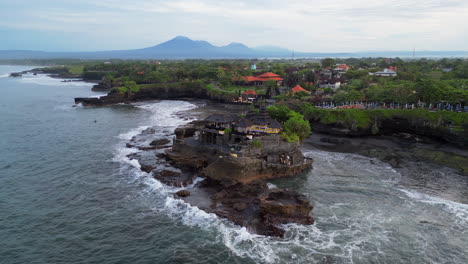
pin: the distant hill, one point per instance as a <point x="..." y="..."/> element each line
<point x="185" y="48"/>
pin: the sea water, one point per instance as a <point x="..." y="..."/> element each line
<point x="70" y="194"/>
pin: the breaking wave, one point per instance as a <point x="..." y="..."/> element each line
<point x="43" y="79"/>
<point x="347" y="230"/>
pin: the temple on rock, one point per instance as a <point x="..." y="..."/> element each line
<point x="229" y="129"/>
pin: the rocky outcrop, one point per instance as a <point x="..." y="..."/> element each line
<point x="235" y="184"/>
<point x="16" y="74"/>
<point x="279" y="206"/>
<point x="248" y="165"/>
<point x="439" y="129"/>
<point x="160" y="142"/>
<point x="193" y="90"/>
<point x="233" y="187"/>
<point x="254" y="206"/>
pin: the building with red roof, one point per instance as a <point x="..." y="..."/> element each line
<point x="260" y="79"/>
<point x="248" y="96"/>
<point x="298" y="88"/>
<point x="342" y="67"/>
<point x="252" y="92"/>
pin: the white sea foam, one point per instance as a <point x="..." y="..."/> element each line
<point x="347" y="241"/>
<point x="236" y="238"/>
<point x="43" y="79"/>
<point x="97" y="96"/>
<point x="4" y="75"/>
<point x="459" y="210"/>
<point x="309" y="240"/>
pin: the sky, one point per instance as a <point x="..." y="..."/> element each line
<point x="300" y="25"/>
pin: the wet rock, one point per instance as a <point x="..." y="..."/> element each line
<point x="128" y="145"/>
<point x="148" y="131"/>
<point x="280" y="206"/>
<point x="161" y="155"/>
<point x="147" y="168"/>
<point x="174" y="178"/>
<point x="240" y="206"/>
<point x="183" y="193"/>
<point x="334" y="140"/>
<point x="160" y="142"/>
<point x="219" y="195"/>
<point x="168" y="173"/>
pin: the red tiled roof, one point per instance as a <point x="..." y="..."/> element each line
<point x="298" y="88"/>
<point x="343" y="66"/>
<point x="249" y="78"/>
<point x="250" y="92"/>
<point x="268" y="75"/>
<point x="261" y="78"/>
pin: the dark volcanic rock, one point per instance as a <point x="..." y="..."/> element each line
<point x="280" y="206"/>
<point x="174" y="178"/>
<point x="183" y="193"/>
<point x="160" y="142"/>
<point x="252" y="205"/>
<point x="147" y="168"/>
<point x="240" y="206"/>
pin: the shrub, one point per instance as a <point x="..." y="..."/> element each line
<point x="228" y="131"/>
<point x="296" y="129"/>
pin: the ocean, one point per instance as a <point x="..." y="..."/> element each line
<point x="69" y="194"/>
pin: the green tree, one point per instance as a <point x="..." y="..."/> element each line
<point x="296" y="128"/>
<point x="129" y="88"/>
<point x="292" y="79"/>
<point x="279" y="112"/>
<point x="328" y="62"/>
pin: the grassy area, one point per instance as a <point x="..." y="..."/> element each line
<point x="76" y="70"/>
<point x="235" y="89"/>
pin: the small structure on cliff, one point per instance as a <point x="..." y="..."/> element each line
<point x="238" y="150"/>
<point x="258" y="123"/>
<point x="237" y="155"/>
<point x="236" y="158"/>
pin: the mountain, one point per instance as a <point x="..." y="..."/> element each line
<point x="182" y="47"/>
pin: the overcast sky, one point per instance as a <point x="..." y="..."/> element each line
<point x="301" y="25"/>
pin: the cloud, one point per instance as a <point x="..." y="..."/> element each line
<point x="305" y="25"/>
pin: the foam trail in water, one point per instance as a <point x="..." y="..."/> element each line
<point x="236" y="238"/>
<point x="42" y="79"/>
<point x="459" y="210"/>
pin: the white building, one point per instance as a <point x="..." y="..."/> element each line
<point x="385" y="73"/>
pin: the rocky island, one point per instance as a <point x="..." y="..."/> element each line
<point x="235" y="156"/>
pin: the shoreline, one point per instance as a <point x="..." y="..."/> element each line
<point x="236" y="200"/>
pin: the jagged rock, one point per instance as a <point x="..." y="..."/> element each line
<point x="219" y="195"/>
<point x="240" y="206"/>
<point x="160" y="142"/>
<point x="174" y="178"/>
<point x="146" y="168"/>
<point x="168" y="173"/>
<point x="161" y="155"/>
<point x="183" y="193"/>
<point x="280" y="206"/>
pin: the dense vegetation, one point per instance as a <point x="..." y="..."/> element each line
<point x="422" y="80"/>
<point x="295" y="127"/>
